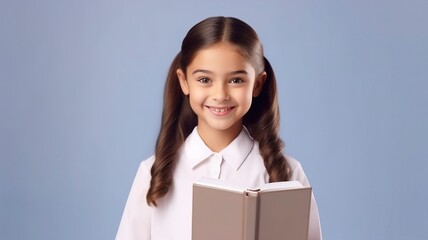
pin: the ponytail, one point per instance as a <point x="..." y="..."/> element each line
<point x="262" y="122"/>
<point x="178" y="120"/>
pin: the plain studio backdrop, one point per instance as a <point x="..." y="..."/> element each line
<point x="81" y="86"/>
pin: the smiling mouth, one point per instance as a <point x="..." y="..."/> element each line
<point x="220" y="110"/>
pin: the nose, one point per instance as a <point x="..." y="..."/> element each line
<point x="220" y="92"/>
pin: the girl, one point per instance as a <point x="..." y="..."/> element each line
<point x="220" y="119"/>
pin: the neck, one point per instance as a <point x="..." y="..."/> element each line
<point x="217" y="140"/>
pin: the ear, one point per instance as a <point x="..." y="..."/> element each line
<point x="183" y="81"/>
<point x="258" y="85"/>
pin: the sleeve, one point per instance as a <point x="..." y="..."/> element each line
<point x="314" y="222"/>
<point x="135" y="222"/>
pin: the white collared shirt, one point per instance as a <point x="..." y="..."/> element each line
<point x="239" y="163"/>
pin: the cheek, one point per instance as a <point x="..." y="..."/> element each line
<point x="245" y="98"/>
<point x="249" y="100"/>
<point x="197" y="98"/>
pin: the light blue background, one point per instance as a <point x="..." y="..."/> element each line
<point x="80" y="103"/>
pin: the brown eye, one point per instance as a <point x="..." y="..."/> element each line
<point x="203" y="80"/>
<point x="236" y="80"/>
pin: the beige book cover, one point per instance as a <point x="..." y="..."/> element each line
<point x="274" y="211"/>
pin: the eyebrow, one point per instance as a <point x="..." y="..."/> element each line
<point x="209" y="72"/>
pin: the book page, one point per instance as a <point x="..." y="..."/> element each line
<point x="220" y="184"/>
<point x="280" y="186"/>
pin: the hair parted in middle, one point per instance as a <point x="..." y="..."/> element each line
<point x="178" y="118"/>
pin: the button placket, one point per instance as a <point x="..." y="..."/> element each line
<point x="215" y="165"/>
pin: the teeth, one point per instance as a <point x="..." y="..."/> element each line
<point x="220" y="109"/>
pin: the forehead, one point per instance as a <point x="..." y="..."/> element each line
<point x="220" y="58"/>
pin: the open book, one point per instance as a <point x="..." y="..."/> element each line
<point x="273" y="211"/>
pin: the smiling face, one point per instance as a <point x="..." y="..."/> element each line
<point x="220" y="83"/>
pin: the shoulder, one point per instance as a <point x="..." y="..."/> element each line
<point x="143" y="173"/>
<point x="147" y="164"/>
<point x="292" y="162"/>
<point x="296" y="171"/>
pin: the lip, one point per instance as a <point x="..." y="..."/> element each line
<point x="220" y="111"/>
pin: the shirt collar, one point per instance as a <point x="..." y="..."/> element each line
<point x="235" y="153"/>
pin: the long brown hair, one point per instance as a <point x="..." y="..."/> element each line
<point x="178" y="119"/>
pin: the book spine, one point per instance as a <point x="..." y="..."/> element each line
<point x="250" y="216"/>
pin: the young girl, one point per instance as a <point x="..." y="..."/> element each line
<point x="220" y="120"/>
